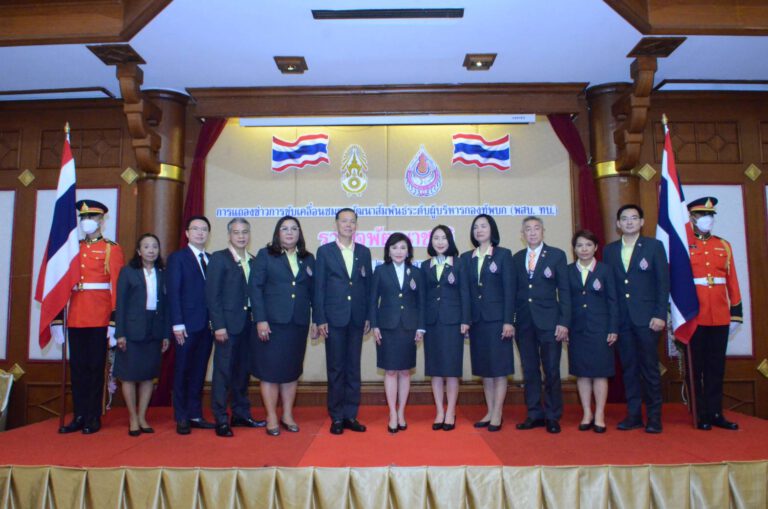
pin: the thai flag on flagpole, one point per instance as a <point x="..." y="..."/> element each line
<point x="60" y="269"/>
<point x="674" y="230"/>
<point x="307" y="150"/>
<point x="474" y="150"/>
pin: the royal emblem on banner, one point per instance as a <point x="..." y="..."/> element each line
<point x="354" y="169"/>
<point x="422" y="175"/>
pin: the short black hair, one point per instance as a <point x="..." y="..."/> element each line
<point x="452" y="250"/>
<point x="587" y="234"/>
<point x="345" y="209"/>
<point x="274" y="247"/>
<point x="628" y="206"/>
<point x="495" y="237"/>
<point x="394" y="239"/>
<point x="136" y="262"/>
<point x="197" y="218"/>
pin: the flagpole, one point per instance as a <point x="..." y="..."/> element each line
<point x="64" y="345"/>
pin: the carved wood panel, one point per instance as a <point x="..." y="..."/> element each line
<point x="10" y="142"/>
<point x="91" y="148"/>
<point x="700" y="142"/>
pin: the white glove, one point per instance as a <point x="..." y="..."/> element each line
<point x="733" y="328"/>
<point x="57" y="333"/>
<point x="111" y="336"/>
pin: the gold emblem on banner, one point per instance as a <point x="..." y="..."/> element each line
<point x="354" y="170"/>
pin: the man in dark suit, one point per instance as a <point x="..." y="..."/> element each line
<point x="342" y="288"/>
<point x="229" y="308"/>
<point x="642" y="276"/>
<point x="186" y="270"/>
<point x="542" y="318"/>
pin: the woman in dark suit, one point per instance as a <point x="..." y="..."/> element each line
<point x="489" y="286"/>
<point x="594" y="328"/>
<point x="141" y="328"/>
<point x="447" y="321"/>
<point x="281" y="296"/>
<point x="397" y="322"/>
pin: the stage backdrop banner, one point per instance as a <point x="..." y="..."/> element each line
<point x="240" y="182"/>
<point x="7" y="200"/>
<point x="43" y="214"/>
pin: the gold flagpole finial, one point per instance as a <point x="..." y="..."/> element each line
<point x="664" y="118"/>
<point x="66" y="128"/>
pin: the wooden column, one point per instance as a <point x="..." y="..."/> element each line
<point x="160" y="197"/>
<point x="614" y="188"/>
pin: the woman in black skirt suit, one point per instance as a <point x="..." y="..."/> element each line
<point x="142" y="325"/>
<point x="594" y="328"/>
<point x="447" y="320"/>
<point x="281" y="297"/>
<point x="489" y="286"/>
<point x="397" y="322"/>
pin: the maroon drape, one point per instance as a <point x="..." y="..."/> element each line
<point x="590" y="217"/>
<point x="193" y="206"/>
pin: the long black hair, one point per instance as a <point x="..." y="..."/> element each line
<point x="495" y="237"/>
<point x="452" y="249"/>
<point x="394" y="239"/>
<point x="136" y="262"/>
<point x="274" y="247"/>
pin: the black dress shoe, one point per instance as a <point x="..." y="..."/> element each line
<point x="134" y="432"/>
<point x="587" y="426"/>
<point x="246" y="422"/>
<point x="630" y="423"/>
<point x="721" y="422"/>
<point x="529" y="423"/>
<point x="148" y="429"/>
<point x="354" y="425"/>
<point x="273" y="432"/>
<point x="184" y="428"/>
<point x="437" y="426"/>
<point x="201" y="424"/>
<point x="391" y="429"/>
<point x="481" y="424"/>
<point x="223" y="430"/>
<point x="337" y="427"/>
<point x="653" y="427"/>
<point x="449" y="427"/>
<point x="495" y="427"/>
<point x="93" y="426"/>
<point x="704" y="426"/>
<point x="402" y="427"/>
<point x="293" y="428"/>
<point x="75" y="425"/>
<point x="553" y="426"/>
<point x="599" y="429"/>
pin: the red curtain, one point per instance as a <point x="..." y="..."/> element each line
<point x="193" y="206"/>
<point x="589" y="203"/>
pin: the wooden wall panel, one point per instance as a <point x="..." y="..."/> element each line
<point x="10" y="141"/>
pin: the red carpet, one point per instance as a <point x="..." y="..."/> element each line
<point x="39" y="444"/>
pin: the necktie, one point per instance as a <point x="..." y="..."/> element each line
<point x="531" y="261"/>
<point x="203" y="264"/>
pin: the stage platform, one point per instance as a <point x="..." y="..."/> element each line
<point x="466" y="467"/>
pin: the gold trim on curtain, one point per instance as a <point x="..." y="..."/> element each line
<point x="740" y="485"/>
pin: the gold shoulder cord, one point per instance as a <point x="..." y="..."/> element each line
<point x="106" y="258"/>
<point x="727" y="247"/>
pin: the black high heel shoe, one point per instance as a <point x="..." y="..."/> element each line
<point x="391" y="429"/>
<point x="481" y="424"/>
<point x="437" y="426"/>
<point x="494" y="427"/>
<point x="587" y="426"/>
<point x="449" y="427"/>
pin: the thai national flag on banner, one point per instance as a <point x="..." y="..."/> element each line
<point x="674" y="230"/>
<point x="60" y="269"/>
<point x="307" y="150"/>
<point x="474" y="150"/>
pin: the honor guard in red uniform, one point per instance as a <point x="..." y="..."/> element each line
<point x="720" y="313"/>
<point x="90" y="319"/>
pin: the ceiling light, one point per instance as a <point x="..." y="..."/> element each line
<point x="479" y="61"/>
<point x="659" y="47"/>
<point x="114" y="54"/>
<point x="291" y="65"/>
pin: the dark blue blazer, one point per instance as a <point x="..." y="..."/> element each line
<point x="186" y="290"/>
<point x="392" y="306"/>
<point x="492" y="298"/>
<point x="276" y="295"/>
<point x="131" y="309"/>
<point x="339" y="298"/>
<point x="644" y="288"/>
<point x="444" y="303"/>
<point x="594" y="305"/>
<point x="543" y="300"/>
<point x="226" y="291"/>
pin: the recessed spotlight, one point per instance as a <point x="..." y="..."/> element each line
<point x="291" y="65"/>
<point x="479" y="61"/>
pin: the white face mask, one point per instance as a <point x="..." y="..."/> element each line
<point x="705" y="223"/>
<point x="89" y="226"/>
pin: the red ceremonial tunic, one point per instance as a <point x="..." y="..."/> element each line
<point x="712" y="259"/>
<point x="100" y="262"/>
